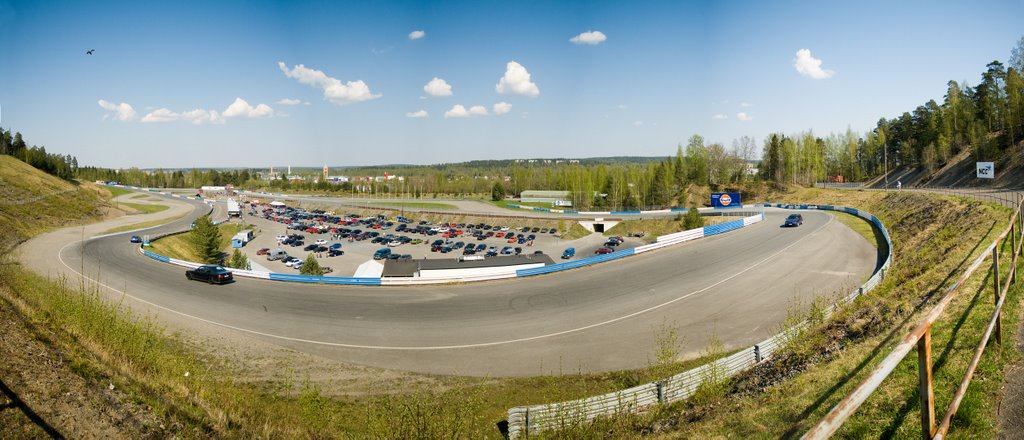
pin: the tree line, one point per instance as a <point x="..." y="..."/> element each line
<point x="63" y="166"/>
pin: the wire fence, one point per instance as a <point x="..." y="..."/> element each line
<point x="527" y="420"/>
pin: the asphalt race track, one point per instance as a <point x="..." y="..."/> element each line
<point x="736" y="287"/>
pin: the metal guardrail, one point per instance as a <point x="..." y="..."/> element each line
<point x="527" y="420"/>
<point x="920" y="337"/>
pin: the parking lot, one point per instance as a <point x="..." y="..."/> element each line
<point x="343" y="241"/>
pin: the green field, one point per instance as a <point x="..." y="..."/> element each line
<point x="117" y="191"/>
<point x="505" y="203"/>
<point x="145" y="208"/>
<point x="142" y="225"/>
<point x="413" y="205"/>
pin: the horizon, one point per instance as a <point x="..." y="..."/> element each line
<point x="233" y="85"/>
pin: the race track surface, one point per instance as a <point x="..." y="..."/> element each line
<point x="735" y="287"/>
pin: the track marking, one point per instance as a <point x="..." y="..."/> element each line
<point x="447" y="347"/>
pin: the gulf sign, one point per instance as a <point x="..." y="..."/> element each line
<point x="725" y="200"/>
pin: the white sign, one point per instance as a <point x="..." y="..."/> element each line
<point x="986" y="170"/>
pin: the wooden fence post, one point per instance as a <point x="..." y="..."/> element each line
<point x="995" y="278"/>
<point x="924" y="375"/>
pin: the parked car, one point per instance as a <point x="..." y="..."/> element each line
<point x="291" y="261"/>
<point x="263" y="251"/>
<point x="335" y="246"/>
<point x="210" y="273"/>
<point x="382" y="254"/>
<point x="335" y="252"/>
<point x="321" y="241"/>
<point x="604" y="250"/>
<point x="136" y="239"/>
<point x="568" y="253"/>
<point x="311" y="247"/>
<point x="276" y="254"/>
<point x="507" y="250"/>
<point x="794" y="220"/>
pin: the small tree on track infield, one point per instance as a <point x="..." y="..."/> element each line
<point x="205" y="239"/>
<point x="311" y="267"/>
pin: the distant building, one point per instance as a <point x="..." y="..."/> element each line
<point x="216" y="191"/>
<point x="555" y="198"/>
<point x="337" y="179"/>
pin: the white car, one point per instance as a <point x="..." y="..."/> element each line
<point x="504" y="229"/>
<point x="321" y="241"/>
<point x="292" y="262"/>
<point x="281" y="238"/>
<point x="299" y="264"/>
<point x="394" y="243"/>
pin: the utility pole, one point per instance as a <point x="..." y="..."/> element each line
<point x="885" y="163"/>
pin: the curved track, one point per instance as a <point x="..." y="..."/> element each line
<point x="735" y="287"/>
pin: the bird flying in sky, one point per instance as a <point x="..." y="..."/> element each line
<point x="90" y="51"/>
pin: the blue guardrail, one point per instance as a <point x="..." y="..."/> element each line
<point x="157" y="257"/>
<point x="722" y="228"/>
<point x="574" y="264"/>
<point x="325" y="280"/>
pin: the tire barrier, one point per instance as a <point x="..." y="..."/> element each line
<point x="527" y="420"/>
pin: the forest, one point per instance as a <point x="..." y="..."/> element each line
<point x="986" y="120"/>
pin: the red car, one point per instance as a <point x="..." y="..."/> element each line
<point x="263" y="251"/>
<point x="604" y="250"/>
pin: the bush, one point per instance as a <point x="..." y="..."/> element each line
<point x="692" y="219"/>
<point x="498" y="192"/>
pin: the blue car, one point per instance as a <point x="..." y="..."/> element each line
<point x="136" y="239"/>
<point x="569" y="253"/>
<point x="794" y="220"/>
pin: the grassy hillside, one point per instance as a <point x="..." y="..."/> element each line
<point x="32" y="201"/>
<point x="934" y="238"/>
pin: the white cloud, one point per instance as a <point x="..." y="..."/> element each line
<point x="623" y="106"/>
<point x="122" y="112"/>
<point x="809" y="66"/>
<point x="416" y="35"/>
<point x="589" y="37"/>
<point x="478" y="110"/>
<point x="457" y="111"/>
<point x="201" y="116"/>
<point x="334" y="91"/>
<point x="241" y="108"/>
<point x="720" y="116"/>
<point x="160" y="115"/>
<point x="638" y="123"/>
<point x="417" y="114"/>
<point x="238" y="109"/>
<point x="438" y="88"/>
<point x="743" y="116"/>
<point x="516" y="81"/>
<point x="289" y="101"/>
<point x="502" y="108"/>
<point x="745" y="104"/>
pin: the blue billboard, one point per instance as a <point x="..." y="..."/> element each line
<point x="725" y="200"/>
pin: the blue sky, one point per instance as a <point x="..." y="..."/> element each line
<point x="663" y="72"/>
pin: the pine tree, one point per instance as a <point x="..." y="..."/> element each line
<point x="311" y="267"/>
<point x="497" y="192"/>
<point x="238" y="260"/>
<point x="206" y="241"/>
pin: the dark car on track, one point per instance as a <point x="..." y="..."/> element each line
<point x="210" y="274"/>
<point x="794" y="220"/>
<point x="136" y="239"/>
<point x="604" y="250"/>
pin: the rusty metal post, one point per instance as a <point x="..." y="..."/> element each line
<point x="924" y="375"/>
<point x="995" y="278"/>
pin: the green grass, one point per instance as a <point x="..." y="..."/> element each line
<point x="139" y="196"/>
<point x="145" y="208"/>
<point x="179" y="246"/>
<point x="117" y="191"/>
<point x="413" y="205"/>
<point x="505" y="203"/>
<point x="572" y="230"/>
<point x="142" y="225"/>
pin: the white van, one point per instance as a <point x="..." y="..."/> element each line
<point x="276" y="254"/>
